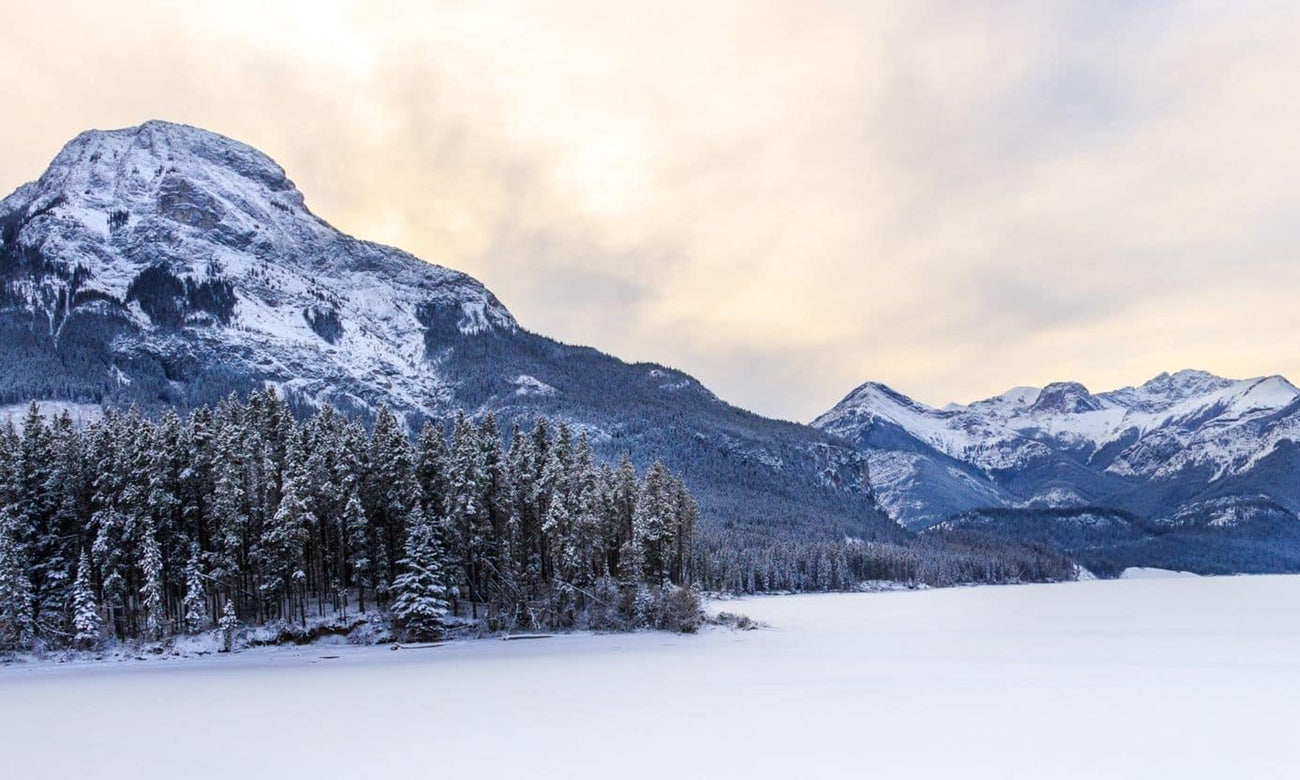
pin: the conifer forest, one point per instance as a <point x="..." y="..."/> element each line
<point x="130" y="528"/>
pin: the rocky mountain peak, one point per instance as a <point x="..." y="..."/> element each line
<point x="163" y="231"/>
<point x="1066" y="398"/>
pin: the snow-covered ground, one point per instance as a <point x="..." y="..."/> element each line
<point x="1158" y="677"/>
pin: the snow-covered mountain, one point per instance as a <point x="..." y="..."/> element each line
<point x="1182" y="445"/>
<point x="180" y="235"/>
<point x="167" y="265"/>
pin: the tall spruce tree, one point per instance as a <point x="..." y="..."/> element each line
<point x="653" y="525"/>
<point x="151" y="589"/>
<point x="468" y="523"/>
<point x="195" y="605"/>
<point x="85" y="608"/>
<point x="391" y="490"/>
<point x="16" y="629"/>
<point x="421" y="604"/>
<point x="357" y="549"/>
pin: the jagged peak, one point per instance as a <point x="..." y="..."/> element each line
<point x="1066" y="397"/>
<point x="878" y="390"/>
<point x="1021" y="395"/>
<point x="1186" y="379"/>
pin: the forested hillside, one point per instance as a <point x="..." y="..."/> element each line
<point x="241" y="514"/>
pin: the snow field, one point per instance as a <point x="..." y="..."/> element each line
<point x="1158" y="677"/>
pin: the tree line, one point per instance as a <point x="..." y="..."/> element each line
<point x="726" y="564"/>
<point x="242" y="513"/>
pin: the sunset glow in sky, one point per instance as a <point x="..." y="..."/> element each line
<point x="784" y="199"/>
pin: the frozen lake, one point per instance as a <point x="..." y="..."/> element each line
<point x="1135" y="678"/>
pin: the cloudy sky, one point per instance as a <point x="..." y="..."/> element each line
<point x="785" y="199"/>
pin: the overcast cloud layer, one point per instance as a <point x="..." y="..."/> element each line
<point x="784" y="199"/>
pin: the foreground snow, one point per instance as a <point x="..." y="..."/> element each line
<point x="1192" y="677"/>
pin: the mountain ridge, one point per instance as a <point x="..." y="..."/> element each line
<point x="1183" y="451"/>
<point x="1184" y="436"/>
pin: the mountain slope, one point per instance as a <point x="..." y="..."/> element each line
<point x="164" y="265"/>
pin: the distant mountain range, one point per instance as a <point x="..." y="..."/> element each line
<point x="1188" y="468"/>
<point x="164" y="265"/>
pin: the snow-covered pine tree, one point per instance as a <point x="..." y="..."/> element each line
<point x="227" y="518"/>
<point x="467" y="520"/>
<point x="166" y="466"/>
<point x="496" y="501"/>
<point x="587" y="538"/>
<point x="151" y="591"/>
<point x="10" y="445"/>
<point x="16" y="629"/>
<point x="110" y="455"/>
<point x="42" y="544"/>
<point x="195" y="605"/>
<point x="685" y="515"/>
<point x="623" y="492"/>
<point x="327" y="488"/>
<point x="553" y="490"/>
<point x="228" y="625"/>
<point x="69" y="484"/>
<point x="282" y="546"/>
<point x="390" y="487"/>
<point x="420" y="608"/>
<point x="357" y="549"/>
<point x="431" y="457"/>
<point x="526" y="544"/>
<point x="86" y="620"/>
<point x="653" y="524"/>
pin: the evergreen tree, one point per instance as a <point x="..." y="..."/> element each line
<point x="421" y="604"/>
<point x="282" y="547"/>
<point x="390" y="490"/>
<point x="358" y="548"/>
<point x="228" y="520"/>
<point x="34" y="529"/>
<point x="228" y="625"/>
<point x="620" y="496"/>
<point x="195" y="605"/>
<point x="16" y="630"/>
<point x="492" y="533"/>
<point x="151" y="591"/>
<point x="431" y="469"/>
<point x="526" y="541"/>
<point x="468" y="523"/>
<point x="685" y="515"/>
<point x="586" y="542"/>
<point x="55" y="546"/>
<point x="85" y="620"/>
<point x="554" y="503"/>
<point x="654" y="524"/>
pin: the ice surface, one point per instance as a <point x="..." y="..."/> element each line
<point x="1148" y="678"/>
